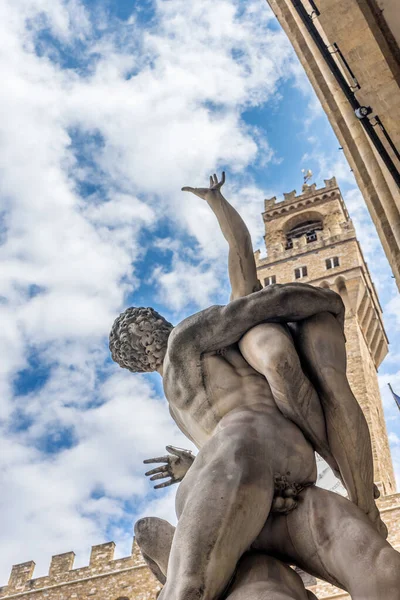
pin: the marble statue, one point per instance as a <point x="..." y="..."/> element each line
<point x="259" y="385"/>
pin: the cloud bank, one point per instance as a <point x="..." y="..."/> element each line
<point x="102" y="122"/>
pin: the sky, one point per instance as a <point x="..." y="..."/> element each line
<point x="107" y="110"/>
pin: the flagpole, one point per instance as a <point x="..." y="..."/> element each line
<point x="396" y="398"/>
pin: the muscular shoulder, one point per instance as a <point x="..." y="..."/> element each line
<point x="185" y="337"/>
<point x="183" y="372"/>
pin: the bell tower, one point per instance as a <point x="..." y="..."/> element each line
<point x="310" y="238"/>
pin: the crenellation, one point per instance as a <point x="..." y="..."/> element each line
<point x="103" y="573"/>
<point x="330" y="183"/>
<point x="308" y="189"/>
<point x="290" y="196"/>
<point x="61" y="563"/>
<point x="269" y="203"/>
<point x="101" y="554"/>
<point x="310" y="196"/>
<point x="21" y="574"/>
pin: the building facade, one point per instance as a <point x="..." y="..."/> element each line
<point x="350" y="52"/>
<point x="309" y="238"/>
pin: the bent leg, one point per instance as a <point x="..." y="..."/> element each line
<point x="222" y="505"/>
<point x="262" y="577"/>
<point x="321" y="346"/>
<point x="269" y="348"/>
<point x="330" y="537"/>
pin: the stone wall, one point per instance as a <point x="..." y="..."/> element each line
<point x="103" y="579"/>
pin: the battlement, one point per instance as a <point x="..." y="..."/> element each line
<point x="309" y="197"/>
<point x="62" y="573"/>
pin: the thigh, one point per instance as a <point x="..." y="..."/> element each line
<point x="320" y="344"/>
<point x="222" y="504"/>
<point x="330" y="537"/>
<point x="234" y="463"/>
<point x="270" y="349"/>
<point x="262" y="577"/>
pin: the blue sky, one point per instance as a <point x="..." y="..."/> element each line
<point x="109" y="109"/>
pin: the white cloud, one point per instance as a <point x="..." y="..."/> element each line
<point x="186" y="284"/>
<point x="136" y="115"/>
<point x="94" y="153"/>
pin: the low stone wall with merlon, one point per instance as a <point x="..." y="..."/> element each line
<point x="104" y="578"/>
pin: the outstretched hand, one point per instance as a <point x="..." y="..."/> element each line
<point x="206" y="193"/>
<point x="178" y="462"/>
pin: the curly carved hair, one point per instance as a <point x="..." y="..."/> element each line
<point x="138" y="339"/>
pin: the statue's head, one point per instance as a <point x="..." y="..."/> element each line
<point x="138" y="339"/>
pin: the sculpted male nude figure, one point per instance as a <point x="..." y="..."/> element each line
<point x="236" y="387"/>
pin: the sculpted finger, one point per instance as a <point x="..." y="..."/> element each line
<point x="211" y="181"/>
<point x="148" y="461"/>
<point x="163" y="469"/>
<point x="187" y="189"/>
<point x="215" y="178"/>
<point x="179" y="452"/>
<point x="159" y="476"/>
<point x="165" y="484"/>
<point x="223" y="178"/>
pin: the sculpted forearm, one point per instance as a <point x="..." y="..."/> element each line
<point x="242" y="266"/>
<point x="220" y="326"/>
<point x="276" y="304"/>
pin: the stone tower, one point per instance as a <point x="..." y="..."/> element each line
<point x="311" y="239"/>
<point x="350" y="52"/>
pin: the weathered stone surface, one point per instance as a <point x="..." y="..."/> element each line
<point x="390" y="511"/>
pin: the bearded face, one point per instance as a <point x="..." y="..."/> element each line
<point x="139" y="338"/>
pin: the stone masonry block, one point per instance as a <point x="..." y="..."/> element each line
<point x="20" y="574"/>
<point x="60" y="563"/>
<point x="101" y="554"/>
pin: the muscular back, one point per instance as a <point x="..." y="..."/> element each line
<point x="215" y="384"/>
<point x="205" y="377"/>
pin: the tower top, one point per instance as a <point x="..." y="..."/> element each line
<point x="310" y="237"/>
<point x="309" y="196"/>
<point x="305" y="222"/>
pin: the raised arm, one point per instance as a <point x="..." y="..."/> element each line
<point x="241" y="263"/>
<point x="220" y="326"/>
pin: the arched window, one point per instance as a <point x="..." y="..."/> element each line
<point x="307" y="228"/>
